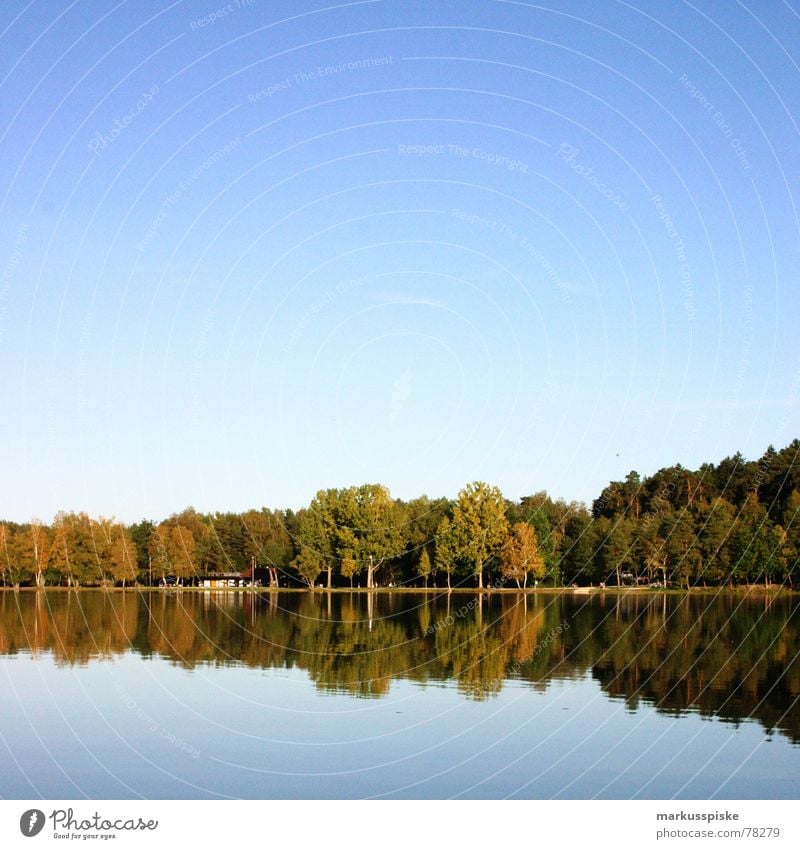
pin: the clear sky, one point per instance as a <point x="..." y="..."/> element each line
<point x="249" y="251"/>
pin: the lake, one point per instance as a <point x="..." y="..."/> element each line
<point x="191" y="695"/>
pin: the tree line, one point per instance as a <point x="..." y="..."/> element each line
<point x="732" y="523"/>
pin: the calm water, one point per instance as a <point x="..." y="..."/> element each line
<point x="192" y="695"/>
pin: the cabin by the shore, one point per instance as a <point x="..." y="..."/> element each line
<point x="218" y="580"/>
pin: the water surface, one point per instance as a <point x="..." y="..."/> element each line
<point x="301" y="695"/>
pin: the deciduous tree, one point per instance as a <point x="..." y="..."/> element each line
<point x="521" y="556"/>
<point x="480" y="526"/>
<point x="424" y="566"/>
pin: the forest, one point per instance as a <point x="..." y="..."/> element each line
<point x="729" y="524"/>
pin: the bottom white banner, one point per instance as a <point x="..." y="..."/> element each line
<point x="394" y="824"/>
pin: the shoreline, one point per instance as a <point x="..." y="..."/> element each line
<point x="753" y="589"/>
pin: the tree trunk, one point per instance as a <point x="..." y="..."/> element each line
<point x="480" y="578"/>
<point x="448" y="582"/>
<point x="330" y="577"/>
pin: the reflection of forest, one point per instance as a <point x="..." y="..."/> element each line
<point x="729" y="656"/>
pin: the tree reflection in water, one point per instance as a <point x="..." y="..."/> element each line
<point x="728" y="656"/>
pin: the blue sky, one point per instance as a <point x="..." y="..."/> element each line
<point x="252" y="250"/>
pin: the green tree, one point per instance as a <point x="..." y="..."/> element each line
<point x="158" y="551"/>
<point x="267" y="542"/>
<point x="122" y="555"/>
<point x="447" y="550"/>
<point x="791" y="526"/>
<point x="368" y="524"/>
<point x="349" y="568"/>
<point x="182" y="552"/>
<point x="752" y="542"/>
<point x="578" y="549"/>
<point x="174" y="551"/>
<point x="16" y="566"/>
<point x="479" y="525"/>
<point x="683" y="551"/>
<point x="419" y="520"/>
<point x="309" y="563"/>
<point x="141" y="532"/>
<point x="40" y="542"/>
<point x="212" y="553"/>
<point x="549" y="519"/>
<point x="317" y="538"/>
<point x="650" y="547"/>
<point x="25" y="550"/>
<point x="716" y="521"/>
<point x="425" y="566"/>
<point x="77" y="543"/>
<point x="617" y="552"/>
